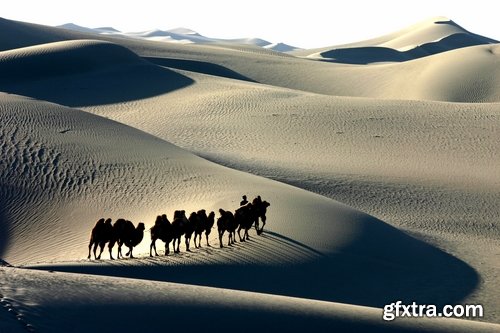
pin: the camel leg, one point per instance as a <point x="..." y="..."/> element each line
<point x="130" y="252"/>
<point x="152" y="246"/>
<point x="110" y="247"/>
<point x="90" y="249"/>
<point x="239" y="235"/>
<point x="95" y="250"/>
<point x="208" y="244"/>
<point x="120" y="255"/>
<point x="101" y="247"/>
<point x="220" y="239"/>
<point x="263" y="218"/>
<point x="167" y="248"/>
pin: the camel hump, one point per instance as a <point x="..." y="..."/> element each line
<point x="158" y="220"/>
<point x="179" y="214"/>
<point x="202" y="214"/>
<point x="99" y="222"/>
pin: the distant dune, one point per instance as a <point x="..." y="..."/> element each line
<point x="379" y="159"/>
<point x="182" y="35"/>
<point x="429" y="37"/>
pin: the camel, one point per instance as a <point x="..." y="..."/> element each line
<point x="245" y="217"/>
<point x="226" y="222"/>
<point x="200" y="226"/>
<point x="260" y="210"/>
<point x="134" y="237"/>
<point x="208" y="226"/>
<point x="178" y="224"/>
<point x="124" y="232"/>
<point x="99" y="236"/>
<point x="161" y="230"/>
<point x="189" y="229"/>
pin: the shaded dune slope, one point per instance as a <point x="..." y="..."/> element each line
<point x="128" y="304"/>
<point x="62" y="58"/>
<point x="112" y="72"/>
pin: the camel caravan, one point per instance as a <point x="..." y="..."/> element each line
<point x="123" y="232"/>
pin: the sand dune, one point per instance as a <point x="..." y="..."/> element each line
<point x="424" y="170"/>
<point x="122" y="74"/>
<point x="184" y="36"/>
<point x="447" y="171"/>
<point x="100" y="177"/>
<point x="425" y="38"/>
<point x="429" y="78"/>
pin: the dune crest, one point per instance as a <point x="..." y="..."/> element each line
<point x="67" y="57"/>
<point x="431" y="36"/>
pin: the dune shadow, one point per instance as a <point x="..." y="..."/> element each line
<point x="373" y="54"/>
<point x="358" y="274"/>
<point x="199" y="67"/>
<point x="206" y="314"/>
<point x="451" y="42"/>
<point x="112" y="85"/>
<point x="364" y="55"/>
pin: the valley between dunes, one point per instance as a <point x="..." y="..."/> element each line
<point x="382" y="176"/>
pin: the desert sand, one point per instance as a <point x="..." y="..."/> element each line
<point x="379" y="159"/>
